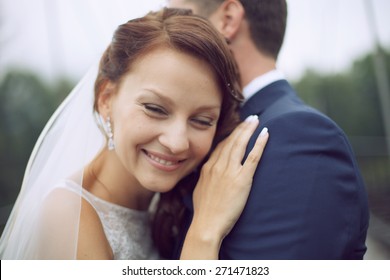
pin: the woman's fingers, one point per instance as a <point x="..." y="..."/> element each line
<point x="256" y="153"/>
<point x="235" y="146"/>
<point x="238" y="146"/>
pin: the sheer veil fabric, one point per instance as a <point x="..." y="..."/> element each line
<point x="45" y="219"/>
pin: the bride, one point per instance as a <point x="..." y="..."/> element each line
<point x="114" y="160"/>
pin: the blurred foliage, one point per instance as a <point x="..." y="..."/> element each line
<point x="349" y="98"/>
<point x="27" y="103"/>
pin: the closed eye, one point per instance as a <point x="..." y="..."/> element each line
<point x="203" y="122"/>
<point x="155" y="109"/>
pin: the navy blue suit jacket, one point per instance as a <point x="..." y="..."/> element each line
<point x="308" y="200"/>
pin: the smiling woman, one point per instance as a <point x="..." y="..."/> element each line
<point x="166" y="93"/>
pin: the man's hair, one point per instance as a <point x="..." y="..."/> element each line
<point x="206" y="7"/>
<point x="267" y="21"/>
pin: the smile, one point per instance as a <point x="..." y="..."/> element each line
<point x="162" y="162"/>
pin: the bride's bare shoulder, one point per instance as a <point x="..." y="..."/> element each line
<point x="66" y="206"/>
<point x="92" y="243"/>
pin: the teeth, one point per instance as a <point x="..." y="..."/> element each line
<point x="161" y="161"/>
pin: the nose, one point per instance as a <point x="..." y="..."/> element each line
<point x="175" y="137"/>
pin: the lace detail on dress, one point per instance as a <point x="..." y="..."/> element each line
<point x="128" y="231"/>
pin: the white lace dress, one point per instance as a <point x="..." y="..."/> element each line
<point x="128" y="231"/>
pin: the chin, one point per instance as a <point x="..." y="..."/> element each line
<point x="158" y="187"/>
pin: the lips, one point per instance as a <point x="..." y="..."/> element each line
<point x="163" y="162"/>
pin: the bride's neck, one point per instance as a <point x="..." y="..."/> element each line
<point x="106" y="178"/>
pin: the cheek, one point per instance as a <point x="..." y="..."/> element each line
<point x="135" y="131"/>
<point x="202" y="144"/>
<point x="130" y="128"/>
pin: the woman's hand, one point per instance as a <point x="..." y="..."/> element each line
<point x="222" y="191"/>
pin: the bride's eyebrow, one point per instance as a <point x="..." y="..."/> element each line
<point x="170" y="102"/>
<point x="155" y="93"/>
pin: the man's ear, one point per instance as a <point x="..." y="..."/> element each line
<point x="228" y="18"/>
<point x="105" y="99"/>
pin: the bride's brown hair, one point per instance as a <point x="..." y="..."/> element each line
<point x="181" y="31"/>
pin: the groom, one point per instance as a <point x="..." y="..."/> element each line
<point x="308" y="200"/>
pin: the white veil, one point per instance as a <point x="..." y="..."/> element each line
<point x="70" y="139"/>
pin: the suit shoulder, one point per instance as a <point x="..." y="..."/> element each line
<point x="300" y="114"/>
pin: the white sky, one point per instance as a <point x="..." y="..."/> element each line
<point x="54" y="37"/>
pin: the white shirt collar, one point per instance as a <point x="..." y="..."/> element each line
<point x="262" y="81"/>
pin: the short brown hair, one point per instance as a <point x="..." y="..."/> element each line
<point x="267" y="21"/>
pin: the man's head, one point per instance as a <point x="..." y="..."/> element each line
<point x="266" y="19"/>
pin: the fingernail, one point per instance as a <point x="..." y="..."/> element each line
<point x="252" y="118"/>
<point x="264" y="132"/>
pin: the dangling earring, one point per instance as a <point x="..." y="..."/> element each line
<point x="110" y="135"/>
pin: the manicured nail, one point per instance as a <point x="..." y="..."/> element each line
<point x="252" y="118"/>
<point x="264" y="132"/>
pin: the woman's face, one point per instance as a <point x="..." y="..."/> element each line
<point x="164" y="117"/>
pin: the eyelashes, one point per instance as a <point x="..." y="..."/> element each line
<point x="159" y="112"/>
<point x="155" y="109"/>
<point x="203" y="122"/>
